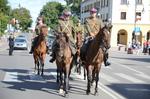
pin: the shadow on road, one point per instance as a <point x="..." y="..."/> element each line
<point x="132" y="91"/>
<point x="47" y="83"/>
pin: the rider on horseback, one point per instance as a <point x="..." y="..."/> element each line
<point x="65" y="25"/>
<point x="93" y="26"/>
<point x="40" y="23"/>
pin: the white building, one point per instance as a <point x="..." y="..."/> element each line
<point x="125" y="16"/>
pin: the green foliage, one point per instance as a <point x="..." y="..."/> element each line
<point x="4" y="15"/>
<point x="75" y="8"/>
<point x="3" y="22"/>
<point x="50" y="12"/>
<point x="4" y="8"/>
<point x="23" y="16"/>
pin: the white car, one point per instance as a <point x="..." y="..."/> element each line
<point x="21" y="43"/>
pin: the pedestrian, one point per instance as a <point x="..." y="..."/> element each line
<point x="145" y="47"/>
<point x="148" y="46"/>
<point x="93" y="26"/>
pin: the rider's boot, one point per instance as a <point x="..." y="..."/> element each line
<point x="31" y="50"/>
<point x="106" y="62"/>
<point x="53" y="57"/>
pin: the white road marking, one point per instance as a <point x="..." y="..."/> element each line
<point x="138" y="89"/>
<point x="110" y="92"/>
<point x="130" y="78"/>
<point x="105" y="89"/>
<point x="11" y="77"/>
<point x="148" y="66"/>
<point x="125" y="66"/>
<point x="34" y="77"/>
<point x="54" y="74"/>
<point x="144" y="76"/>
<point x="109" y="78"/>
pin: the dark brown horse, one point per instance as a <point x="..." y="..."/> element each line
<point x="95" y="57"/>
<point x="39" y="52"/>
<point x="63" y="62"/>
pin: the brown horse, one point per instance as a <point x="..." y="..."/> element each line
<point x="39" y="52"/>
<point x="63" y="61"/>
<point x="95" y="57"/>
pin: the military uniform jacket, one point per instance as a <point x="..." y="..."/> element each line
<point x="79" y="29"/>
<point x="66" y="26"/>
<point x="93" y="26"/>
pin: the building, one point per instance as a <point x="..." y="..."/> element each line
<point x="130" y="18"/>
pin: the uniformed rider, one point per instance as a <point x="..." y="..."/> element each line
<point x="93" y="26"/>
<point x="65" y="25"/>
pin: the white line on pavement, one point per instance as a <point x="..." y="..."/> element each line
<point x="11" y="77"/>
<point x="105" y="89"/>
<point x="109" y="78"/>
<point x="130" y="78"/>
<point x="144" y="76"/>
<point x="138" y="89"/>
<point x="125" y="66"/>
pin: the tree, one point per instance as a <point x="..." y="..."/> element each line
<point x="4" y="15"/>
<point x="75" y="8"/>
<point x="23" y="16"/>
<point x="50" y="12"/>
<point x="4" y="7"/>
<point x="4" y="19"/>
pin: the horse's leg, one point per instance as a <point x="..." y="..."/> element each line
<point x="61" y="82"/>
<point x="35" y="62"/>
<point x="42" y="63"/>
<point x="97" y="78"/>
<point x="93" y="76"/>
<point x="66" y="80"/>
<point x="58" y="76"/>
<point x="89" y="77"/>
<point x="84" y="72"/>
<point x="38" y="65"/>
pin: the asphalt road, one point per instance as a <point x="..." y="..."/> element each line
<point x="128" y="77"/>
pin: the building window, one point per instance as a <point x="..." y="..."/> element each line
<point x="139" y="2"/>
<point x="106" y="3"/>
<point x="138" y="16"/>
<point x="123" y="1"/>
<point x="123" y="15"/>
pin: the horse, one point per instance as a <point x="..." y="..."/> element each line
<point x="79" y="43"/>
<point x="63" y="61"/>
<point x="39" y="52"/>
<point x="95" y="56"/>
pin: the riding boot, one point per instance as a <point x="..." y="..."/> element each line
<point x="34" y="43"/>
<point x="53" y="57"/>
<point x="47" y="49"/>
<point x="106" y="62"/>
<point x="31" y="50"/>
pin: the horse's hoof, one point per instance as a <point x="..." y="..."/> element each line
<point x="66" y="95"/>
<point x="96" y="94"/>
<point x="61" y="91"/>
<point x="87" y="92"/>
<point x="57" y="81"/>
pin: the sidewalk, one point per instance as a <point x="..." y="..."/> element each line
<point x="3" y="44"/>
<point x="115" y="49"/>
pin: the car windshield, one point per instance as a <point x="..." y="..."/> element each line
<point x="20" y="40"/>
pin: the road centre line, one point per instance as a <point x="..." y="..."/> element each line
<point x="130" y="78"/>
<point x="125" y="66"/>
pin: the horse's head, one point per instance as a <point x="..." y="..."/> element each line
<point x="61" y="41"/>
<point x="105" y="36"/>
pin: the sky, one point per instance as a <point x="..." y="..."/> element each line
<point x="34" y="6"/>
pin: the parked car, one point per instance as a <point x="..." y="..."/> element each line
<point x="50" y="41"/>
<point x="21" y="43"/>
